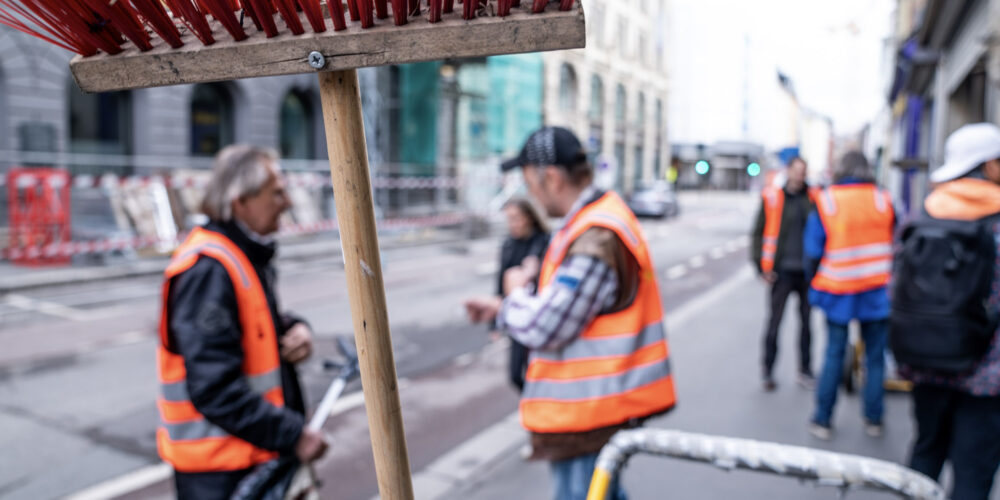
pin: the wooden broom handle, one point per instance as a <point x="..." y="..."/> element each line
<point x="345" y="138"/>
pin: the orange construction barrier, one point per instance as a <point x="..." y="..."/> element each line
<point x="39" y="211"/>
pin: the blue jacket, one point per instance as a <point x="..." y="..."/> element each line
<point x="872" y="305"/>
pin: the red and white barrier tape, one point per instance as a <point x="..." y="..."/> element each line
<point x="72" y="248"/>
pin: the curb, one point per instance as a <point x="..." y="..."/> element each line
<point x="156" y="265"/>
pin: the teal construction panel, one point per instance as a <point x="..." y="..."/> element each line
<point x="514" y="100"/>
<point x="419" y="95"/>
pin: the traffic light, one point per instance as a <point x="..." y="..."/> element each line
<point x="753" y="169"/>
<point x="702" y="167"/>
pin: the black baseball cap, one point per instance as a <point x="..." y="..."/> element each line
<point x="548" y="146"/>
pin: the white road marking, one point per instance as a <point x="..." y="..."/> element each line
<point x="26" y="303"/>
<point x="135" y="480"/>
<point x="676" y="271"/>
<point x="717" y="253"/>
<point x="697" y="261"/>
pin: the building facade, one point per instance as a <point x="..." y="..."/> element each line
<point x="613" y="93"/>
<point x="944" y="72"/>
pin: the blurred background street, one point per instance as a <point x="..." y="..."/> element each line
<point x="687" y="108"/>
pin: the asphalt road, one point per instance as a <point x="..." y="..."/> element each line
<point x="77" y="375"/>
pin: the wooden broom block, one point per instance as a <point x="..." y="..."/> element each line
<point x="287" y="54"/>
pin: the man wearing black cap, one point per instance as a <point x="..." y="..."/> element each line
<point x="599" y="361"/>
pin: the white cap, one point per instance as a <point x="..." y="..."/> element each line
<point x="966" y="149"/>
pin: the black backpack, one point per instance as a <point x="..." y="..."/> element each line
<point x="943" y="276"/>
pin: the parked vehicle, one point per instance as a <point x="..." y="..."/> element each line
<point x="655" y="200"/>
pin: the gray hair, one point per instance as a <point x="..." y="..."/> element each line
<point x="854" y="165"/>
<point x="238" y="171"/>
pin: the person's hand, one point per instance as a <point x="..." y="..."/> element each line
<point x="483" y="309"/>
<point x="518" y="277"/>
<point x="769" y="277"/>
<point x="311" y="446"/>
<point x="296" y="344"/>
<point x="531" y="265"/>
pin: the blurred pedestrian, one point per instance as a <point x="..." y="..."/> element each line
<point x="599" y="356"/>
<point x="229" y="394"/>
<point x="777" y="253"/>
<point x="528" y="238"/>
<point x="848" y="249"/>
<point x="945" y="335"/>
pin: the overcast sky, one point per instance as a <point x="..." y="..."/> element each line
<point x="833" y="51"/>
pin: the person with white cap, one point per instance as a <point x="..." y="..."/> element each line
<point x="946" y="302"/>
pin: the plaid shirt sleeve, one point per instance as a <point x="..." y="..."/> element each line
<point x="582" y="287"/>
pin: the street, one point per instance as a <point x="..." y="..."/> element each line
<point x="77" y="375"/>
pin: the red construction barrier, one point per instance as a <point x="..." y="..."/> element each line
<point x="39" y="212"/>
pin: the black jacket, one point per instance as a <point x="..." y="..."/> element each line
<point x="204" y="328"/>
<point x="514" y="251"/>
<point x="793" y="224"/>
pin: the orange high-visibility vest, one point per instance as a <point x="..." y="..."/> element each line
<point x="774" y="206"/>
<point x="618" y="368"/>
<point x="858" y="220"/>
<point x="185" y="439"/>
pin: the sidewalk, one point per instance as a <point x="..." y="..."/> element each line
<point x="716" y="365"/>
<point x="15" y="278"/>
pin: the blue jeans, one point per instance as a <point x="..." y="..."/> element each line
<point x="571" y="479"/>
<point x="874" y="335"/>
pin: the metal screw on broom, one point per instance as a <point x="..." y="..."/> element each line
<point x="128" y="44"/>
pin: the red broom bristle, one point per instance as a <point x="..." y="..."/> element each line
<point x="336" y="8"/>
<point x="367" y="13"/>
<point x="539" y="6"/>
<point x="381" y="9"/>
<point x="515" y="3"/>
<point x="414" y="9"/>
<point x="566" y="5"/>
<point x="192" y="18"/>
<point x="263" y="13"/>
<point x="225" y="14"/>
<point x="156" y="17"/>
<point x="399" y="12"/>
<point x="61" y="25"/>
<point x="291" y="16"/>
<point x="449" y="6"/>
<point x="352" y="7"/>
<point x="249" y="12"/>
<point x="503" y="8"/>
<point x="469" y="9"/>
<point x="435" y="11"/>
<point x="121" y="18"/>
<point x="314" y="13"/>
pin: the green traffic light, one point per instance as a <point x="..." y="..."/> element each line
<point x="753" y="169"/>
<point x="702" y="167"/>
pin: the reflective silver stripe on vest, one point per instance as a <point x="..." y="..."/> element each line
<point x="193" y="430"/>
<point x="860" y="252"/>
<point x="867" y="270"/>
<point x="177" y="391"/>
<point x="880" y="203"/>
<point x="829" y="204"/>
<point x="597" y="387"/>
<point x="623" y="345"/>
<point x="201" y="247"/>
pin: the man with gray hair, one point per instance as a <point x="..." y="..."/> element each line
<point x="229" y="395"/>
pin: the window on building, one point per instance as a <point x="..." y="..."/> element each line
<point x="568" y="88"/>
<point x="99" y="123"/>
<point x="5" y="143"/>
<point x="642" y="49"/>
<point x="637" y="174"/>
<point x="296" y="121"/>
<point x="212" y="119"/>
<point x="620" y="102"/>
<point x="640" y="111"/>
<point x="596" y="112"/>
<point x="658" y="146"/>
